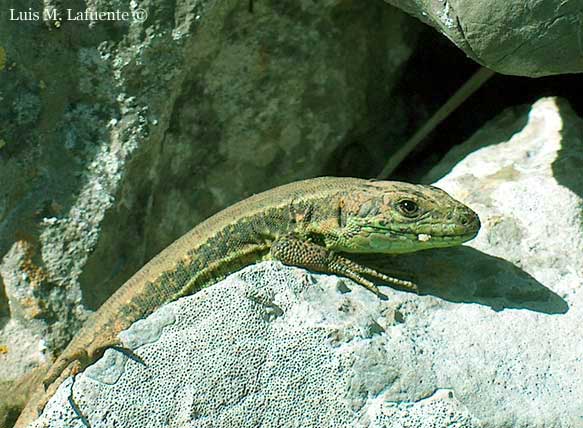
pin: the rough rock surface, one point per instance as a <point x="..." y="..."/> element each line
<point x="524" y="38"/>
<point x="493" y="340"/>
<point x="271" y="346"/>
<point x="117" y="137"/>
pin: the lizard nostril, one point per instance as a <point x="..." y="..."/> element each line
<point x="470" y="220"/>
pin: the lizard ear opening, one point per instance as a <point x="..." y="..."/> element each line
<point x="341" y="214"/>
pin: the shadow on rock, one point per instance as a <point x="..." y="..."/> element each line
<point x="466" y="275"/>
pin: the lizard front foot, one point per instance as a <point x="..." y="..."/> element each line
<point x="294" y="251"/>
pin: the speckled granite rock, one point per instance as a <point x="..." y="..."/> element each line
<point x="118" y="137"/>
<point x="523" y="38"/>
<point x="493" y="340"/>
<point x="272" y="346"/>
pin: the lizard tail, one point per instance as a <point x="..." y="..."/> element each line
<point x="15" y="394"/>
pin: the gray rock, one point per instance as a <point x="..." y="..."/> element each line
<point x="118" y="137"/>
<point x="533" y="38"/>
<point x="493" y="340"/>
<point x="270" y="346"/>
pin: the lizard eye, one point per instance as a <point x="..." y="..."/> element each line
<point x="408" y="208"/>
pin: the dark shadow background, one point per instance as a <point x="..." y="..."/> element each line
<point x="434" y="72"/>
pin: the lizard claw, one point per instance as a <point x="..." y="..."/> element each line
<point x="130" y="354"/>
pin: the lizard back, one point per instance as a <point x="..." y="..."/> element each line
<point x="234" y="237"/>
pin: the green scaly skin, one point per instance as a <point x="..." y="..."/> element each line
<point x="314" y="224"/>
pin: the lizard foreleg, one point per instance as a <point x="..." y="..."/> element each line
<point x="297" y="252"/>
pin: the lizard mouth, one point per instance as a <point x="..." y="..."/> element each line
<point x="422" y="236"/>
<point x="430" y="238"/>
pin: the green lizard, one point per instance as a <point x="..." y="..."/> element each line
<point x="314" y="224"/>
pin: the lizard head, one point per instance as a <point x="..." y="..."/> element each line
<point x="394" y="217"/>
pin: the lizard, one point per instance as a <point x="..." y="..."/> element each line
<point x="314" y="224"/>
